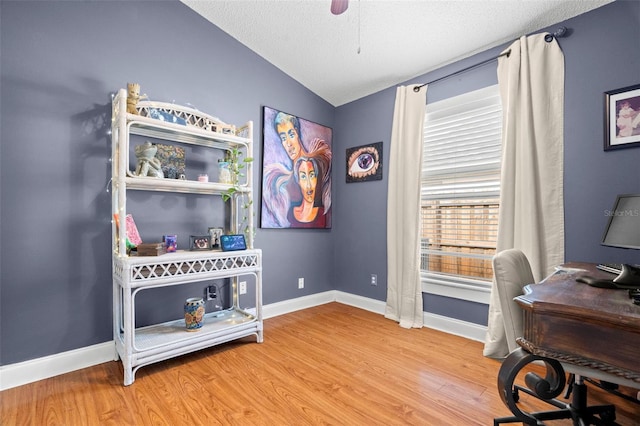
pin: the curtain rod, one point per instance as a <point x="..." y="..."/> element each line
<point x="560" y="32"/>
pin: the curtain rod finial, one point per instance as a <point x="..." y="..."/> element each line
<point x="560" y="32"/>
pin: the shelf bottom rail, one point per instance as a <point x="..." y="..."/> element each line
<point x="133" y="361"/>
<point x="174" y="332"/>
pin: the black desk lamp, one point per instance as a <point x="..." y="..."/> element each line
<point x="623" y="230"/>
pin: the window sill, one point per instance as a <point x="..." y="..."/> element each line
<point x="457" y="288"/>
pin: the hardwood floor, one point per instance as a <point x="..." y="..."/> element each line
<point x="332" y="364"/>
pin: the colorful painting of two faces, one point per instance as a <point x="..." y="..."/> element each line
<point x="296" y="172"/>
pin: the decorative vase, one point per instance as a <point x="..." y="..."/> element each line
<point x="224" y="172"/>
<point x="194" y="313"/>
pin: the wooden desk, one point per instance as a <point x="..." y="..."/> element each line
<point x="575" y="323"/>
<point x="568" y="322"/>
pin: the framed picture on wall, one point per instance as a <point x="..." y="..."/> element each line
<point x="622" y="118"/>
<point x="296" y="172"/>
<point x="364" y="163"/>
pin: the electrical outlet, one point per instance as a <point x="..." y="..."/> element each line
<point x="243" y="287"/>
<point x="374" y="279"/>
<point x="300" y="282"/>
<point x="211" y="292"/>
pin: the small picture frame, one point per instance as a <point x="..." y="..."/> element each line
<point x="199" y="242"/>
<point x="170" y="242"/>
<point x="622" y="118"/>
<point x="215" y="234"/>
<point x="364" y="163"/>
<point x="233" y="242"/>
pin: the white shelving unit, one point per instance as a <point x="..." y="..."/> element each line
<point x="137" y="347"/>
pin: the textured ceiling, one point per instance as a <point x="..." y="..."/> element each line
<point x="376" y="44"/>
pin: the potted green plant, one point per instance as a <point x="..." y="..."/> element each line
<point x="237" y="165"/>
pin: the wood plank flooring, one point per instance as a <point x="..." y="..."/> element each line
<point x="328" y="365"/>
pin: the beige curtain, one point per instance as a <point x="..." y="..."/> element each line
<point x="531" y="216"/>
<point x="404" y="292"/>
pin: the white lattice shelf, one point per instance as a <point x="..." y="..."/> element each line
<point x="191" y="116"/>
<point x="132" y="275"/>
<point x="186" y="266"/>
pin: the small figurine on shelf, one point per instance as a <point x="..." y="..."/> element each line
<point x="133" y="96"/>
<point x="148" y="164"/>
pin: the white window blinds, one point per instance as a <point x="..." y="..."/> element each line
<point x="461" y="188"/>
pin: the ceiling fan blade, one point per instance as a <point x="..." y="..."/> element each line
<point x="339" y="6"/>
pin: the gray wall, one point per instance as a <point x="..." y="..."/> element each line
<point x="601" y="54"/>
<point x="61" y="61"/>
<point x="362" y="207"/>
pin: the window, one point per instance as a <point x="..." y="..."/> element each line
<point x="460" y="194"/>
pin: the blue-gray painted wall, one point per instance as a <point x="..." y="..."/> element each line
<point x="601" y="53"/>
<point x="61" y="60"/>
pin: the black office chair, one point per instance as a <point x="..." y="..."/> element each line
<point x="512" y="272"/>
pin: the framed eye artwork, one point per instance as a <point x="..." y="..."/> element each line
<point x="364" y="163"/>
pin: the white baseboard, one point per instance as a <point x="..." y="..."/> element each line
<point x="297" y="304"/>
<point x="465" y="329"/>
<point x="21" y="373"/>
<point x="18" y="374"/>
<point x="457" y="327"/>
<point x="371" y="305"/>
